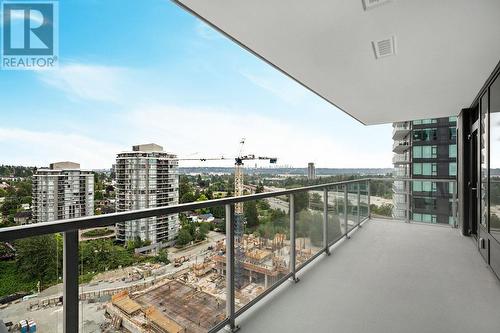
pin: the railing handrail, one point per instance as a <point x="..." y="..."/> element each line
<point x="44" y="228"/>
<point x="437" y="180"/>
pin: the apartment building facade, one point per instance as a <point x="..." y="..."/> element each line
<point x="424" y="149"/>
<point x="62" y="191"/>
<point x="311" y="171"/>
<point x="147" y="177"/>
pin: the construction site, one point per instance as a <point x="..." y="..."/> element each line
<point x="194" y="299"/>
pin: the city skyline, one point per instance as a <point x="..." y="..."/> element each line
<point x="189" y="89"/>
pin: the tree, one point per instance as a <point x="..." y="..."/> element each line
<point x="39" y="257"/>
<point x="301" y="201"/>
<point x="184" y="237"/>
<point x="251" y="216"/>
<point x="202" y="231"/>
<point x="101" y="255"/>
<point x="384" y="209"/>
<point x="98" y="195"/>
<point x="163" y="256"/>
<point x="220" y="226"/>
<point x="316" y="198"/>
<point x="218" y="212"/>
<point x="260" y="188"/>
<point x="263" y="205"/>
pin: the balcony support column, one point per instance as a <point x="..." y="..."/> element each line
<point x="408" y="204"/>
<point x="230" y="287"/>
<point x="346" y="207"/>
<point x="359" y="205"/>
<point x="368" y="191"/>
<point x="293" y="249"/>
<point x="454" y="205"/>
<point x="325" y="221"/>
<point x="70" y="282"/>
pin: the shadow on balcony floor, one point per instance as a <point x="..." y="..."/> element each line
<point x="390" y="277"/>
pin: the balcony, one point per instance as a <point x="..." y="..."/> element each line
<point x="399" y="147"/>
<point x="377" y="266"/>
<point x="399" y="159"/>
<point x="400" y="130"/>
<point x="389" y="277"/>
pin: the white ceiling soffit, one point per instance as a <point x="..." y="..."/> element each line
<point x="441" y="54"/>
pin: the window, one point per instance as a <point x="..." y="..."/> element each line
<point x="417" y="168"/>
<point x="424" y="186"/>
<point x="452" y="169"/>
<point x="494" y="149"/>
<point x="424" y="203"/>
<point x="452" y="151"/>
<point x="424" y="218"/>
<point x="426" y="134"/>
<point x="417" y="152"/>
<point x="425" y="169"/>
<point x="424" y="151"/>
<point x="424" y="121"/>
<point x="453" y="133"/>
<point x="452" y="119"/>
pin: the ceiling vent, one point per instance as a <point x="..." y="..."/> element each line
<point x="369" y="4"/>
<point x="384" y="47"/>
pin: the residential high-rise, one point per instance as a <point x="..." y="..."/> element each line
<point x="424" y="149"/>
<point x="311" y="171"/>
<point x="62" y="191"/>
<point x="147" y="177"/>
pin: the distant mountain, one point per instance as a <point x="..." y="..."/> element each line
<point x="289" y="171"/>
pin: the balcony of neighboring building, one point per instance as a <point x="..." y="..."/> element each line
<point x="400" y="146"/>
<point x="400" y="130"/>
<point x="403" y="158"/>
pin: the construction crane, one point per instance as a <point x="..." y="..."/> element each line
<point x="238" y="169"/>
<point x="239" y="217"/>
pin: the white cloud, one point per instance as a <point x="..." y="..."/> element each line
<point x="89" y="82"/>
<point x="217" y="132"/>
<point x="37" y="148"/>
<point x="278" y="85"/>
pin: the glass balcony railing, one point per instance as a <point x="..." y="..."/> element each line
<point x="79" y="286"/>
<point x="400" y="159"/>
<point x="217" y="275"/>
<point x="400" y="130"/>
<point x="400" y="146"/>
<point x="426" y="200"/>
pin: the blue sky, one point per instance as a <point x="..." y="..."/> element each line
<point x="146" y="71"/>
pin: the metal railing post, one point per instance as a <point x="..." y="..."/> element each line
<point x="325" y="221"/>
<point x="359" y="205"/>
<point x="70" y="282"/>
<point x="346" y="207"/>
<point x="454" y="205"/>
<point x="407" y="189"/>
<point x="368" y="192"/>
<point x="230" y="292"/>
<point x="293" y="248"/>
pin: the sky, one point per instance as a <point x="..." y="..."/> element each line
<point x="135" y="72"/>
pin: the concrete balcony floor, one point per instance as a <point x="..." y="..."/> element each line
<point x="389" y="277"/>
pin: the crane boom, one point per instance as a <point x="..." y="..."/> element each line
<point x="239" y="217"/>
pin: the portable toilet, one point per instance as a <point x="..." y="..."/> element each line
<point x="31" y="326"/>
<point x="23" y="325"/>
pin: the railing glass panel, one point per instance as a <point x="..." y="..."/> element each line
<point x="31" y="283"/>
<point x="309" y="217"/>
